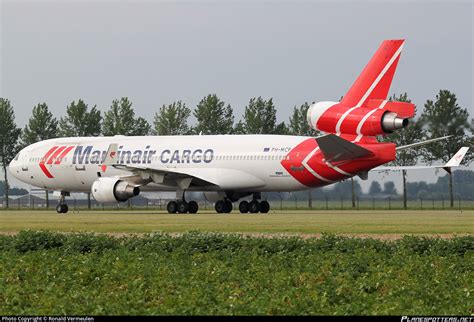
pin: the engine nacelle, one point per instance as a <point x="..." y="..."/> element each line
<point x="333" y="117"/>
<point x="108" y="189"/>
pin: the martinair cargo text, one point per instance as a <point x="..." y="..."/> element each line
<point x="228" y="168"/>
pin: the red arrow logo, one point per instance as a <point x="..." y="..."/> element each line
<point x="55" y="154"/>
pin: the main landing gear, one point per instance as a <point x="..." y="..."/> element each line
<point x="182" y="207"/>
<point x="254" y="206"/>
<point x="223" y="206"/>
<point x="62" y="207"/>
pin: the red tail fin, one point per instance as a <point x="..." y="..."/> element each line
<point x="375" y="80"/>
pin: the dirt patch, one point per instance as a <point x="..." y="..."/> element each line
<point x="373" y="236"/>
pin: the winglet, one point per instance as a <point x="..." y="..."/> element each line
<point x="111" y="156"/>
<point x="456" y="159"/>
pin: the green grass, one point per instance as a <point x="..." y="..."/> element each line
<point x="45" y="273"/>
<point x="292" y="222"/>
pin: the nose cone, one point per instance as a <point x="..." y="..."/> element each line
<point x="14" y="166"/>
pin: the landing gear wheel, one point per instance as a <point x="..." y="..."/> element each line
<point x="228" y="206"/>
<point x="254" y="206"/>
<point x="220" y="207"/>
<point x="62" y="208"/>
<point x="182" y="207"/>
<point x="172" y="207"/>
<point x="264" y="207"/>
<point x="193" y="207"/>
<point x="244" y="207"/>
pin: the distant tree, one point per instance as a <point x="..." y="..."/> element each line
<point x="389" y="188"/>
<point x="375" y="188"/>
<point x="172" y="119"/>
<point x="12" y="191"/>
<point x="281" y="129"/>
<point x="79" y="121"/>
<point x="41" y="126"/>
<point x="353" y="192"/>
<point x="239" y="128"/>
<point x="213" y="116"/>
<point x="343" y="189"/>
<point x="298" y="124"/>
<point x="411" y="134"/>
<point x="463" y="189"/>
<point x="9" y="135"/>
<point x="120" y="120"/>
<point x="445" y="117"/>
<point x="260" y="118"/>
<point x="464" y="183"/>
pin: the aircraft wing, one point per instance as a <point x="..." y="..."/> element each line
<point x="183" y="177"/>
<point x="455" y="161"/>
<point x="186" y="177"/>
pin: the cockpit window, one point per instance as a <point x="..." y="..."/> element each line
<point x="17" y="156"/>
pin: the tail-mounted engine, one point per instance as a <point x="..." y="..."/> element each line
<point x="375" y="118"/>
<point x="108" y="189"/>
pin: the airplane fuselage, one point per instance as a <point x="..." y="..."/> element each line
<point x="253" y="163"/>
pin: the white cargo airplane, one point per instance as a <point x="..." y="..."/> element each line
<point x="229" y="167"/>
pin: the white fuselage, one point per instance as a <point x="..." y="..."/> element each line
<point x="229" y="162"/>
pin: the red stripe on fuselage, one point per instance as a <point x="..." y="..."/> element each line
<point x="45" y="157"/>
<point x="61" y="157"/>
<point x="55" y="154"/>
<point x="382" y="153"/>
<point x="294" y="164"/>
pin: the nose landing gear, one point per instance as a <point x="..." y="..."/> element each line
<point x="62" y="207"/>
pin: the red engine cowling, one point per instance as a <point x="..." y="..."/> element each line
<point x="333" y="117"/>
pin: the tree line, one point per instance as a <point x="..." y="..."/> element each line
<point x="439" y="117"/>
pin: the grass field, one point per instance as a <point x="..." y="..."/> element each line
<point x="360" y="222"/>
<point x="47" y="273"/>
<point x="207" y="270"/>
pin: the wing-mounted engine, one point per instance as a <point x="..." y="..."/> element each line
<point x="108" y="189"/>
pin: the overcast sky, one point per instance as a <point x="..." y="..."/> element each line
<point x="156" y="52"/>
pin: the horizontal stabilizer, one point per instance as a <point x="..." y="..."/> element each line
<point x="337" y="149"/>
